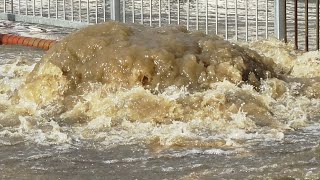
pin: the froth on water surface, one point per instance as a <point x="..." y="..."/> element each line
<point x="167" y="87"/>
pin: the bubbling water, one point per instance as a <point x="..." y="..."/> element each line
<point x="117" y="83"/>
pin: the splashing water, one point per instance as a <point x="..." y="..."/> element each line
<point x="116" y="84"/>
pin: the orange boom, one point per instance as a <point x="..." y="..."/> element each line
<point x="10" y="39"/>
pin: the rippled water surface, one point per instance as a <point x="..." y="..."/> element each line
<point x="296" y="156"/>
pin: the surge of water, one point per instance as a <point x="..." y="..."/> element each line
<point x="165" y="89"/>
<point x="118" y="83"/>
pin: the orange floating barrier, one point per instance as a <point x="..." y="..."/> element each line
<point x="20" y="41"/>
<point x="5" y="39"/>
<point x="31" y="41"/>
<point x="26" y="41"/>
<point x="15" y="39"/>
<point x="10" y="39"/>
<point x="41" y="43"/>
<point x="52" y="43"/>
<point x="36" y="42"/>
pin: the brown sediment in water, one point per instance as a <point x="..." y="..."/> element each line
<point x="117" y="83"/>
<point x="115" y="56"/>
<point x="124" y="56"/>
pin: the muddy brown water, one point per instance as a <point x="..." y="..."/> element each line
<point x="295" y="157"/>
<point x="55" y="125"/>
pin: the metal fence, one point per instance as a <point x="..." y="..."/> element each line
<point x="233" y="19"/>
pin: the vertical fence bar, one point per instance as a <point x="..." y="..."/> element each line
<point x="217" y="18"/>
<point x="267" y="19"/>
<point x="169" y="12"/>
<point x="57" y="9"/>
<point x="72" y="10"/>
<point x="123" y="11"/>
<point x="246" y="24"/>
<point x="150" y="6"/>
<point x="11" y="7"/>
<point x="64" y="9"/>
<point x="49" y="7"/>
<point x="41" y="8"/>
<point x="104" y="10"/>
<point x="178" y="12"/>
<point x="159" y="13"/>
<point x="236" y="18"/>
<point x="115" y="10"/>
<point x="306" y="17"/>
<point x="226" y="19"/>
<point x="79" y="10"/>
<point x="141" y="11"/>
<point x="317" y="24"/>
<point x="19" y="10"/>
<point x="26" y="6"/>
<point x="133" y="13"/>
<point x="97" y="11"/>
<point x="207" y="16"/>
<point x="88" y="11"/>
<point x="280" y="19"/>
<point x="257" y="19"/>
<point x="188" y="13"/>
<point x="285" y="22"/>
<point x="296" y="24"/>
<point x="4" y="6"/>
<point x="33" y="7"/>
<point x="197" y="14"/>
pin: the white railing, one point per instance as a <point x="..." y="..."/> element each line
<point x="233" y="19"/>
<point x="239" y="19"/>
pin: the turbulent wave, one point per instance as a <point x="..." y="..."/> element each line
<point x="117" y="83"/>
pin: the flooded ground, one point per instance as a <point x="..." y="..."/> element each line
<point x="113" y="134"/>
<point x="297" y="156"/>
